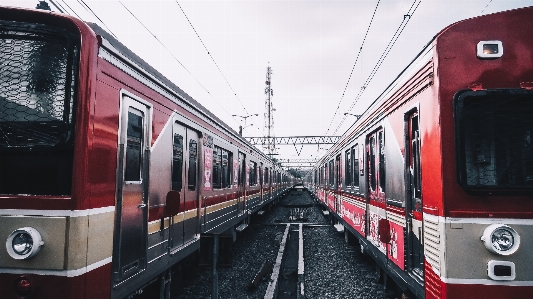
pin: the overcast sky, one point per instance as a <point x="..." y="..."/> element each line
<point x="311" y="46"/>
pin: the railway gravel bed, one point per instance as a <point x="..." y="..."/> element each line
<point x="333" y="269"/>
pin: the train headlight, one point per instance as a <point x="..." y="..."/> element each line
<point x="24" y="243"/>
<point x="501" y="239"/>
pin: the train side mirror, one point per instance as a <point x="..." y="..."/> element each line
<point x="384" y="231"/>
<point x="172" y="207"/>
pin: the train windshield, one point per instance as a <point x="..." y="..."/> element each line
<point x="38" y="71"/>
<point x="36" y="85"/>
<point x="493" y="133"/>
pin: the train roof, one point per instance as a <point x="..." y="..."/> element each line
<point x="155" y="73"/>
<point x="423" y="56"/>
<point x="182" y="95"/>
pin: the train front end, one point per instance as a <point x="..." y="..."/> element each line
<point x="479" y="235"/>
<point x="45" y="62"/>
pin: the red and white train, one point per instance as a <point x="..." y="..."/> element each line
<point x="109" y="173"/>
<point x="435" y="180"/>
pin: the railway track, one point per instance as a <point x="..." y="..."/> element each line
<point x="291" y="251"/>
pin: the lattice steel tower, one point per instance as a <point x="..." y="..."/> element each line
<point x="270" y="145"/>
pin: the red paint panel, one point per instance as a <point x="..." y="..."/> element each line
<point x="458" y="69"/>
<point x="435" y="288"/>
<point x="396" y="248"/>
<point x="156" y="213"/>
<point x="36" y="202"/>
<point x="94" y="284"/>
<point x="330" y="198"/>
<point x="102" y="172"/>
<point x="476" y="291"/>
<point x="99" y="282"/>
<point x="354" y="216"/>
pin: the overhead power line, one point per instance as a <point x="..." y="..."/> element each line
<point x="57" y="7"/>
<point x="92" y="12"/>
<point x="486" y="6"/>
<point x="70" y="9"/>
<point x="393" y="40"/>
<point x="211" y="56"/>
<point x="353" y="67"/>
<point x="160" y="42"/>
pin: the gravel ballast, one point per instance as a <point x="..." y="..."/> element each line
<point x="333" y="269"/>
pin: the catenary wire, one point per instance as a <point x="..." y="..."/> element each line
<point x="353" y="67"/>
<point x="160" y="42"/>
<point x="211" y="56"/>
<point x="57" y="7"/>
<point x="486" y="6"/>
<point x="393" y="40"/>
<point x="71" y="9"/>
<point x="91" y="11"/>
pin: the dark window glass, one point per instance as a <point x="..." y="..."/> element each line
<point x="253" y="173"/>
<point x="338" y="176"/>
<point x="242" y="170"/>
<point x="193" y="164"/>
<point x="348" y="168"/>
<point x="372" y="162"/>
<point x="38" y="73"/>
<point x="381" y="162"/>
<point x="222" y="168"/>
<point x="226" y="169"/>
<point x="331" y="173"/>
<point x="494" y="130"/>
<point x="355" y="171"/>
<point x="261" y="174"/>
<point x="414" y="163"/>
<point x="134" y="145"/>
<point x="177" y="162"/>
<point x="38" y="76"/>
<point x="217" y="155"/>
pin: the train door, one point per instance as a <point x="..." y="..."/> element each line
<point x="338" y="182"/>
<point x="130" y="239"/>
<point x="261" y="186"/>
<point x="185" y="180"/>
<point x="376" y="166"/>
<point x="375" y="182"/>
<point x="241" y="193"/>
<point x="415" y="245"/>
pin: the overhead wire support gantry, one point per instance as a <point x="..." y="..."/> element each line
<point x="293" y="140"/>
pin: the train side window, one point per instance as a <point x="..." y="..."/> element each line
<point x="217" y="162"/>
<point x="222" y="168"/>
<point x="414" y="162"/>
<point x="372" y="174"/>
<point x="134" y="146"/>
<point x="242" y="170"/>
<point x="261" y="174"/>
<point x="227" y="156"/>
<point x="381" y="162"/>
<point x="376" y="165"/>
<point x="355" y="163"/>
<point x="177" y="162"/>
<point x="331" y="173"/>
<point x="338" y="171"/>
<point x="193" y="162"/>
<point x="253" y="173"/>
<point x="348" y="168"/>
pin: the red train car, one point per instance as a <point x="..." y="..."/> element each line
<point x="109" y="173"/>
<point x="435" y="180"/>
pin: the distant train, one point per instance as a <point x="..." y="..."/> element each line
<point x="109" y="173"/>
<point x="435" y="180"/>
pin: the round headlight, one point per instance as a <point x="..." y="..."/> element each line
<point x="24" y="243"/>
<point x="501" y="239"/>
